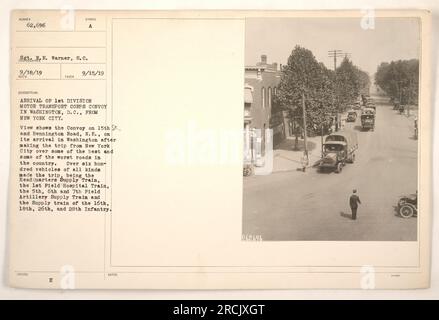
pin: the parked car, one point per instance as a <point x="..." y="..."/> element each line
<point x="408" y="206"/>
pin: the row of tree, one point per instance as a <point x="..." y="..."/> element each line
<point x="326" y="92"/>
<point x="399" y="79"/>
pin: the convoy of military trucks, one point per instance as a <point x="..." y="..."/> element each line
<point x="339" y="147"/>
<point x="368" y="115"/>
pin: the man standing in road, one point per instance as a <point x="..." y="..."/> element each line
<point x="354" y="200"/>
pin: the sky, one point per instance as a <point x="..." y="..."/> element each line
<point x="392" y="39"/>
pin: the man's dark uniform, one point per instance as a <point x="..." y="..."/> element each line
<point x="354" y="200"/>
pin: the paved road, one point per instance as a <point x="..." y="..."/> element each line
<point x="314" y="206"/>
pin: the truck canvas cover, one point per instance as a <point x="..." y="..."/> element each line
<point x="348" y="136"/>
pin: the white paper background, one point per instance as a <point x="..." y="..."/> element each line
<point x="6" y="292"/>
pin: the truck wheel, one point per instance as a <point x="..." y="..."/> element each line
<point x="339" y="167"/>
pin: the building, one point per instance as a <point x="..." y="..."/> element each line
<point x="260" y="88"/>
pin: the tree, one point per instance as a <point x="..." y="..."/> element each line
<point x="350" y="83"/>
<point x="326" y="92"/>
<point x="364" y="82"/>
<point x="303" y="74"/>
<point x="399" y="79"/>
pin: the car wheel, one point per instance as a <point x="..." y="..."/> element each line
<point x="406" y="211"/>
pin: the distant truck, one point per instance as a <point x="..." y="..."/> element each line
<point x="368" y="119"/>
<point x="339" y="148"/>
<point x="352" y="116"/>
<point x="365" y="98"/>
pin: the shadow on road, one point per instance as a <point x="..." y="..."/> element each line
<point x="323" y="170"/>
<point x="395" y="208"/>
<point x="345" y="215"/>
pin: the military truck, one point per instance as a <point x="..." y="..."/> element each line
<point x="368" y="119"/>
<point x="339" y="148"/>
<point x="352" y="116"/>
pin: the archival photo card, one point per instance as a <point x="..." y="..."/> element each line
<point x="220" y="149"/>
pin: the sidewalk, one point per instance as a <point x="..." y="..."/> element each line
<point x="286" y="158"/>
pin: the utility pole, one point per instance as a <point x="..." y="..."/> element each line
<point x="409" y="98"/>
<point x="304" y="124"/>
<point x="400" y="92"/>
<point x="337" y="54"/>
<point x="334" y="54"/>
